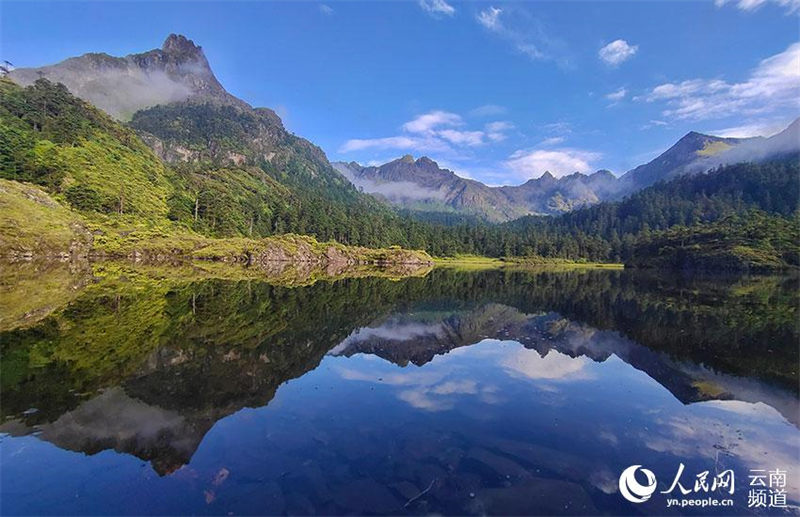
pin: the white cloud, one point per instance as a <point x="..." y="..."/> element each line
<point x="454" y="136"/>
<point x="427" y="122"/>
<point x="490" y="18"/>
<point x="653" y="123"/>
<point x="467" y="387"/>
<point x="326" y="9"/>
<point x="495" y="131"/>
<point x="393" y="142"/>
<point x="617" y="95"/>
<point x="751" y="5"/>
<point x="773" y="86"/>
<point x="488" y="110"/>
<point x="526" y="33"/>
<point x="560" y="162"/>
<point x="500" y="125"/>
<point x="437" y="7"/>
<point x="617" y="52"/>
<point x="435" y="131"/>
<point x="554" y="366"/>
<point x="756" y="128"/>
<point x="553" y="140"/>
<point x="559" y="128"/>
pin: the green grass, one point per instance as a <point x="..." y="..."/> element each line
<point x="33" y="223"/>
<point x="469" y="262"/>
<point x="477" y="262"/>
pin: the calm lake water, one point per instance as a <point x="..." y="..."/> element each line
<point x="458" y="393"/>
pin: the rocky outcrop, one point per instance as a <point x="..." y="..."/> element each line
<point x="303" y="249"/>
<point x="120" y="86"/>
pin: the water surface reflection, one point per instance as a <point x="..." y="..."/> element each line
<point x="492" y="392"/>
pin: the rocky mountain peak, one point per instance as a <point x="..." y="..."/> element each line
<point x="602" y="173"/>
<point x="178" y="44"/>
<point x="424" y="161"/>
<point x="121" y="86"/>
<point x="407" y="159"/>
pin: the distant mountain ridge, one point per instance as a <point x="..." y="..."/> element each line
<point x="422" y="185"/>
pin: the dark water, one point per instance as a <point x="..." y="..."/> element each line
<point x="457" y="393"/>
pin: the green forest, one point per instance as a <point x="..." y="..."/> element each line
<point x="737" y="216"/>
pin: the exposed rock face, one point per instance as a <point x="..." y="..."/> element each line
<point x="178" y="71"/>
<point x="422" y="185"/>
<point x="173" y="99"/>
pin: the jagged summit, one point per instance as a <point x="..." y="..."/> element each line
<point x="422" y="184"/>
<point x="178" y="71"/>
<point x="546" y="177"/>
<point x="178" y="44"/>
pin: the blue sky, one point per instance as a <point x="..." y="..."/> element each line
<point x="498" y="91"/>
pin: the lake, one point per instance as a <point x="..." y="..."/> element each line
<point x="129" y="391"/>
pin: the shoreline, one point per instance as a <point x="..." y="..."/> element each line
<point x="479" y="262"/>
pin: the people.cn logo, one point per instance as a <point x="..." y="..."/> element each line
<point x="634" y="491"/>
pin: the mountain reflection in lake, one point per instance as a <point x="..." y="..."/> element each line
<point x="458" y="393"/>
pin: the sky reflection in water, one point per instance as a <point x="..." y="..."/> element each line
<point x="436" y="405"/>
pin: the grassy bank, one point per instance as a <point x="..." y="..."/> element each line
<point x="476" y="262"/>
<point x="34" y="225"/>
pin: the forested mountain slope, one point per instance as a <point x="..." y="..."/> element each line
<point x="104" y="187"/>
<point x="210" y="165"/>
<point x="614" y="229"/>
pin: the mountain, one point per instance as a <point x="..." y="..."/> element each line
<point x="215" y="165"/>
<point x="550" y="195"/>
<point x="422" y="185"/>
<point x="696" y="153"/>
<point x="120" y="86"/>
<point x="208" y="165"/>
<point x="678" y="159"/>
<point x="759" y="149"/>
<point x="761" y="196"/>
